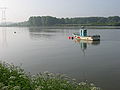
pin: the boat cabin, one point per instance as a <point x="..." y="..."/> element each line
<point x="83" y="32"/>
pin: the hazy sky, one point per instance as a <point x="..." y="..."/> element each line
<point x="21" y="10"/>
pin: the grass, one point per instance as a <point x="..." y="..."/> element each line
<point x="14" y="78"/>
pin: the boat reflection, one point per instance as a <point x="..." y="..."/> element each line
<point x="85" y="43"/>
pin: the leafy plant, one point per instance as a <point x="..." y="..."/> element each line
<point x="14" y="78"/>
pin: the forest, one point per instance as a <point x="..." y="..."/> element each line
<point x="77" y="21"/>
<point x="53" y="21"/>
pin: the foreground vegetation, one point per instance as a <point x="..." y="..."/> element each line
<point x="14" y="78"/>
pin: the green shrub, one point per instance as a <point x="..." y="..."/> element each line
<point x="14" y="78"/>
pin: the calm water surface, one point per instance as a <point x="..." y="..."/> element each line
<point x="40" y="50"/>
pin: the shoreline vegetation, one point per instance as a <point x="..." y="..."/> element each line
<point x="111" y="22"/>
<point x="69" y="27"/>
<point x="14" y="78"/>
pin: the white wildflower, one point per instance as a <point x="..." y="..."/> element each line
<point x="39" y="88"/>
<point x="16" y="88"/>
<point x="22" y="76"/>
<point x="94" y="88"/>
<point x="12" y="77"/>
<point x="82" y="83"/>
<point x="92" y="84"/>
<point x="74" y="79"/>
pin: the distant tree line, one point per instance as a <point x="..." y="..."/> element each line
<point x="78" y="21"/>
<point x="48" y="21"/>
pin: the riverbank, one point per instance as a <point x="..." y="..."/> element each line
<point x="69" y="27"/>
<point x="14" y="78"/>
<point x="77" y="27"/>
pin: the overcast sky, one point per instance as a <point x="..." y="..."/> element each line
<point x="21" y="10"/>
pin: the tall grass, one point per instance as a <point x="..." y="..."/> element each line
<point x="14" y="78"/>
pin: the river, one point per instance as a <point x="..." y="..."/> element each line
<point x="39" y="49"/>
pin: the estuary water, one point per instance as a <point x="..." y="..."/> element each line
<point x="39" y="50"/>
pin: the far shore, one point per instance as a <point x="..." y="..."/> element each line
<point x="69" y="27"/>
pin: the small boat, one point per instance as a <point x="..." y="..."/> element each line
<point x="83" y="35"/>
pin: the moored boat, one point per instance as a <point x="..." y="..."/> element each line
<point x="83" y="35"/>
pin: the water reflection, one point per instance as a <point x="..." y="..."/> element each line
<point x="37" y="29"/>
<point x="36" y="33"/>
<point x="84" y="44"/>
<point x="4" y="37"/>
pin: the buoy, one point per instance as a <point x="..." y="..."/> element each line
<point x="69" y="37"/>
<point x="78" y="37"/>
